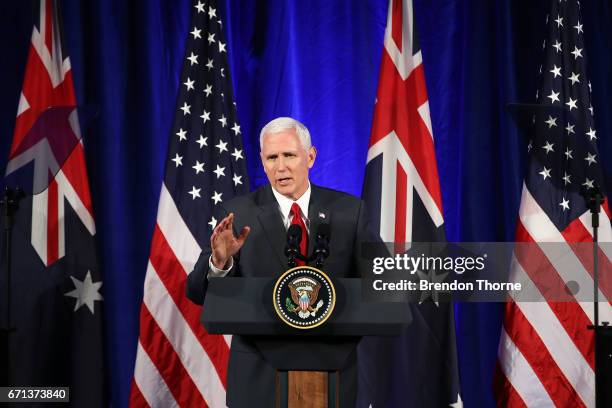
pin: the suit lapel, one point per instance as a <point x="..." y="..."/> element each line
<point x="272" y="225"/>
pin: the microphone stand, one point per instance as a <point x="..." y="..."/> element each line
<point x="9" y="204"/>
<point x="292" y="249"/>
<point x="292" y="253"/>
<point x="603" y="361"/>
<point x="321" y="253"/>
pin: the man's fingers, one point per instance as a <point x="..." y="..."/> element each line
<point x="222" y="225"/>
<point x="227" y="221"/>
<point x="244" y="232"/>
<point x="230" y="221"/>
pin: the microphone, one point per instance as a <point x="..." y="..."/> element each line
<point x="321" y="251"/>
<point x="593" y="198"/>
<point x="292" y="249"/>
<point x="294" y="236"/>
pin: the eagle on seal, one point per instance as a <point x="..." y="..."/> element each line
<point x="304" y="293"/>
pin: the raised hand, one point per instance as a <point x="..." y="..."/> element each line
<point x="223" y="242"/>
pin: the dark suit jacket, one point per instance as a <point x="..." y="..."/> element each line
<point x="250" y="379"/>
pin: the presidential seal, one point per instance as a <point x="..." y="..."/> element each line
<point x="304" y="297"/>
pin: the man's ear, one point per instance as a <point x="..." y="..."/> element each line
<point x="312" y="155"/>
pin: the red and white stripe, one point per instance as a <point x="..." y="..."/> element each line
<point x="546" y="351"/>
<point x="178" y="363"/>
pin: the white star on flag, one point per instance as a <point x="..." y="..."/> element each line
<point x="178" y="160"/>
<point x="85" y="292"/>
<point x="591" y="134"/>
<point x="219" y="171"/>
<point x="195" y="192"/>
<point x="548" y="147"/>
<point x="556" y="71"/>
<point x="545" y="173"/>
<point x="208" y="90"/>
<point x="193" y="59"/>
<point x="554" y="96"/>
<point x="212" y="223"/>
<point x="186" y="109"/>
<point x="574" y="78"/>
<point x="202" y="141"/>
<point x="205" y="116"/>
<point x="216" y="197"/>
<point x="578" y="27"/>
<point x="577" y="52"/>
<point x="189" y="84"/>
<point x="222" y="146"/>
<point x="572" y="104"/>
<point x="566" y="178"/>
<point x="590" y="158"/>
<point x="198" y="167"/>
<point x="223" y="120"/>
<point x="237" y="154"/>
<point x="196" y="33"/>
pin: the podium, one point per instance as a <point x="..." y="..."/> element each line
<point x="303" y="359"/>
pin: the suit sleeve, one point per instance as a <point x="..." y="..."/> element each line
<point x="197" y="280"/>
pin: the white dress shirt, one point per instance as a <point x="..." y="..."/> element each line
<point x="284" y="205"/>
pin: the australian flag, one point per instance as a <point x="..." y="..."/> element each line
<point x="402" y="190"/>
<point x="52" y="325"/>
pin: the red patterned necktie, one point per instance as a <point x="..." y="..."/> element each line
<point x="297" y="220"/>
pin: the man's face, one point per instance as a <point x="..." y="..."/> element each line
<point x="286" y="163"/>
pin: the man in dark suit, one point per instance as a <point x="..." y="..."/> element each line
<point x="250" y="241"/>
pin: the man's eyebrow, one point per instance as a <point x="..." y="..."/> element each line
<point x="284" y="153"/>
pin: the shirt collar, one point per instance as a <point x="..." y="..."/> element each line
<point x="285" y="203"/>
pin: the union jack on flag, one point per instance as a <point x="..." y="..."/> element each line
<point x="46" y="141"/>
<point x="546" y="353"/>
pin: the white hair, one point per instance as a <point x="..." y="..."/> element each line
<point x="285" y="123"/>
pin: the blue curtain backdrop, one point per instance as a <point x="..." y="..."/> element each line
<point x="317" y="61"/>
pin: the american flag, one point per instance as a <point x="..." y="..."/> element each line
<point x="546" y="352"/>
<point x="56" y="283"/>
<point x="402" y="191"/>
<point x="178" y="363"/>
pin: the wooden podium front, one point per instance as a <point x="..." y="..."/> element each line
<point x="306" y="389"/>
